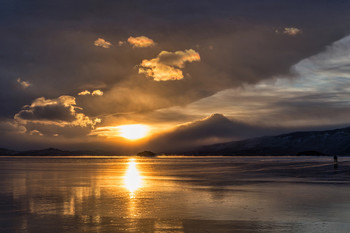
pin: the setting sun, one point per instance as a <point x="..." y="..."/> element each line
<point x="133" y="132"/>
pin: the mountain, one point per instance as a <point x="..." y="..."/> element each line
<point x="327" y="142"/>
<point x="44" y="152"/>
<point x="212" y="129"/>
<point x="52" y="152"/>
<point x="4" y="151"/>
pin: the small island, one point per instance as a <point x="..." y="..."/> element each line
<point x="146" y="153"/>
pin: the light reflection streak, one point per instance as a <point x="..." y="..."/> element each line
<point x="132" y="178"/>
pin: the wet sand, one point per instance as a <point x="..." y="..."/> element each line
<point x="174" y="194"/>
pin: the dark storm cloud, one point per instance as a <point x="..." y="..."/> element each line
<point x="49" y="112"/>
<point x="53" y="130"/>
<point x="61" y="109"/>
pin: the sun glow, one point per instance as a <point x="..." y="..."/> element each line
<point x="133" y="132"/>
<point x="132" y="178"/>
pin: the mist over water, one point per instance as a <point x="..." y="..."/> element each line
<point x="174" y="194"/>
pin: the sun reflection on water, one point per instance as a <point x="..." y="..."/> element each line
<point x="132" y="178"/>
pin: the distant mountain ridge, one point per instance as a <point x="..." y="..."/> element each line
<point x="328" y="142"/>
<point x="51" y="152"/>
<point x="4" y="151"/>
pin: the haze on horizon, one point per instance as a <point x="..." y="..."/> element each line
<point x="126" y="75"/>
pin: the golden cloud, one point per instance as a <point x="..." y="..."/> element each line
<point x="86" y="92"/>
<point x="129" y="131"/>
<point x="93" y="93"/>
<point x="140" y="42"/>
<point x="102" y="43"/>
<point x="167" y="65"/>
<point x="97" y="92"/>
<point x="23" y="83"/>
<point x="60" y="111"/>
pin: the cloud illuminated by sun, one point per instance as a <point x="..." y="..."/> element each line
<point x="130" y="132"/>
<point x="133" y="132"/>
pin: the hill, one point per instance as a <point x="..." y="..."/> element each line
<point x="328" y="142"/>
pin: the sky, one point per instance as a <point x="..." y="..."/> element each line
<point x="75" y="74"/>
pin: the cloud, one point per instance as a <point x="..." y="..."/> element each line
<point x="11" y="127"/>
<point x="73" y="63"/>
<point x="329" y="66"/>
<point x="93" y="93"/>
<point x="292" y="31"/>
<point x="61" y="111"/>
<point x="167" y="65"/>
<point x="317" y="96"/>
<point x="36" y="132"/>
<point x="97" y="92"/>
<point x="141" y="42"/>
<point x="23" y="83"/>
<point x="86" y="92"/>
<point x="246" y="51"/>
<point x="102" y="43"/>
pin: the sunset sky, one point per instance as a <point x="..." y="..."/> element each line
<point x="76" y="74"/>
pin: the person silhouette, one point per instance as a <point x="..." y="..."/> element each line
<point x="335" y="161"/>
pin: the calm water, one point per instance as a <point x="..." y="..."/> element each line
<point x="174" y="194"/>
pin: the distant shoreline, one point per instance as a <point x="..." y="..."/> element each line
<point x="54" y="152"/>
<point x="173" y="155"/>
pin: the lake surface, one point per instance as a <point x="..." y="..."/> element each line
<point x="174" y="194"/>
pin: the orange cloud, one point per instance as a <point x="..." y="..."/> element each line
<point x="129" y="131"/>
<point x="23" y="83"/>
<point x="60" y="111"/>
<point x="102" y="43"/>
<point x="97" y="92"/>
<point x="93" y="93"/>
<point x="86" y="92"/>
<point x="167" y="65"/>
<point x="140" y="42"/>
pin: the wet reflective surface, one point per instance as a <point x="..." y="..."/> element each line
<point x="174" y="194"/>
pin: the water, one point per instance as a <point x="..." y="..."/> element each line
<point x="174" y="194"/>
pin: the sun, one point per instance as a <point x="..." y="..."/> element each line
<point x="133" y="132"/>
